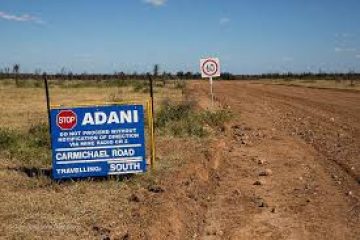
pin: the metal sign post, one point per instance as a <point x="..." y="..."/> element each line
<point x="47" y="102"/>
<point x="151" y="122"/>
<point x="212" y="92"/>
<point x="210" y="67"/>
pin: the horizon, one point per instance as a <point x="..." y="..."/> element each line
<point x="320" y="72"/>
<point x="131" y="36"/>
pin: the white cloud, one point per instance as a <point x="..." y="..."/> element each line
<point x="20" y="18"/>
<point x="341" y="49"/>
<point x="344" y="35"/>
<point x="224" y="20"/>
<point x="156" y="3"/>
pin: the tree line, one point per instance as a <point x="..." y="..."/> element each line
<point x="15" y="73"/>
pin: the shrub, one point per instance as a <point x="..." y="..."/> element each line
<point x="187" y="127"/>
<point x="216" y="119"/>
<point x="39" y="135"/>
<point x="183" y="120"/>
<point x="30" y="148"/>
<point x="172" y="112"/>
<point x="139" y="86"/>
<point x="7" y="138"/>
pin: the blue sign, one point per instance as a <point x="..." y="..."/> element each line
<point x="98" y="141"/>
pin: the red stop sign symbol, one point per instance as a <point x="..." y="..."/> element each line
<point x="66" y="119"/>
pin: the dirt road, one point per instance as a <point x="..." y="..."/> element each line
<point x="287" y="167"/>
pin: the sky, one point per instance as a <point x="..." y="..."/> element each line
<point x="249" y="36"/>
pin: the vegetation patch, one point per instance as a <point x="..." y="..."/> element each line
<point x="216" y="119"/>
<point x="140" y="86"/>
<point x="180" y="85"/>
<point x="182" y="119"/>
<point x="31" y="148"/>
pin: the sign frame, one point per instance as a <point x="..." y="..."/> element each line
<point x="207" y="65"/>
<point x="146" y="113"/>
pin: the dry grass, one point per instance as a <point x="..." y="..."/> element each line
<point x="22" y="107"/>
<point x="332" y="84"/>
<point x="37" y="207"/>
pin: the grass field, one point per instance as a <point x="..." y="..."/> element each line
<point x="35" y="207"/>
<point x="23" y="107"/>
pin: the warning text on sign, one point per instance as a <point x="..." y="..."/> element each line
<point x="98" y="141"/>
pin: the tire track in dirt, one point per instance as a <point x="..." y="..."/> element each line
<point x="300" y="200"/>
<point x="331" y="125"/>
<point x="221" y="191"/>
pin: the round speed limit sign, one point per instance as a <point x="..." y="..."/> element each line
<point x="210" y="67"/>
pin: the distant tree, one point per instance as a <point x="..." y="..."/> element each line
<point x="119" y="75"/>
<point x="16" y="70"/>
<point x="70" y="75"/>
<point x="156" y="70"/>
<point x="188" y="75"/>
<point x="227" y="76"/>
<point x="197" y="75"/>
<point x="180" y="75"/>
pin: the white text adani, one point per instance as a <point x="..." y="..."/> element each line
<point x="101" y="118"/>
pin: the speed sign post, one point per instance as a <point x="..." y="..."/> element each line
<point x="210" y="68"/>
